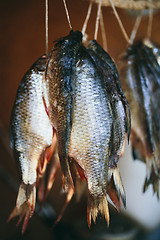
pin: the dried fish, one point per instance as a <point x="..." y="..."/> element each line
<point x="31" y="137"/>
<point x="77" y="112"/>
<point x="140" y="75"/>
<point x="60" y="93"/>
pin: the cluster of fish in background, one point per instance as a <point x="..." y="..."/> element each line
<point x="140" y="78"/>
<point x="71" y="112"/>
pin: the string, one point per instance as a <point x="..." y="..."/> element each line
<point x="67" y="14"/>
<point x="46" y="24"/>
<point x="135" y="28"/>
<point x="104" y="39"/>
<point x="119" y="21"/>
<point x="150" y="23"/>
<point x="87" y="18"/>
<point x="97" y="19"/>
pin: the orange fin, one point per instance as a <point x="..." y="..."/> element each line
<point x="46" y="157"/>
<point x="154" y="180"/>
<point x="45" y="187"/>
<point x="95" y="206"/>
<point x="114" y="178"/>
<point x="25" y="204"/>
<point x="112" y="192"/>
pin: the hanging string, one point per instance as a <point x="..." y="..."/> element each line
<point x="87" y="18"/>
<point x="150" y="23"/>
<point x="67" y="14"/>
<point x="46" y="24"/>
<point x="135" y="28"/>
<point x="104" y="39"/>
<point x="119" y="21"/>
<point x="97" y="20"/>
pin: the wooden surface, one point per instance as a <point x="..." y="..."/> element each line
<point x="22" y="41"/>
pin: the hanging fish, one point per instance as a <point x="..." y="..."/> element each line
<point x="140" y="74"/>
<point x="99" y="127"/>
<point x="59" y="94"/>
<point x="31" y="137"/>
<point x="79" y="103"/>
<point x="121" y="117"/>
<point x="91" y="132"/>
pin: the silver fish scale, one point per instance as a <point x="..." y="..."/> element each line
<point x="119" y="127"/>
<point x="91" y="128"/>
<point x="31" y="131"/>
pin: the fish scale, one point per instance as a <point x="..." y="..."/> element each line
<point x="120" y="115"/>
<point x="59" y="94"/>
<point x="28" y="129"/>
<point x="31" y="136"/>
<point x="91" y="130"/>
<point x="140" y="71"/>
<point x="72" y="107"/>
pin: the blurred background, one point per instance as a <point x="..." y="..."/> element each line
<point x="22" y="42"/>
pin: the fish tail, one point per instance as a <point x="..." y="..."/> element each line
<point x="116" y="189"/>
<point x="97" y="205"/>
<point x="66" y="175"/>
<point x="25" y="204"/>
<point x="152" y="176"/>
<point x="155" y="184"/>
<point x="151" y="165"/>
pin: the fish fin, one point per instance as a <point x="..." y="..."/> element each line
<point x="154" y="180"/>
<point x="123" y="146"/>
<point x="114" y="177"/>
<point x="25" y="204"/>
<point x="95" y="206"/>
<point x="67" y="179"/>
<point x="81" y="172"/>
<point x="156" y="186"/>
<point x="54" y="168"/>
<point x="78" y="177"/>
<point x="112" y="192"/>
<point x="46" y="184"/>
<point x="46" y="157"/>
<point x="151" y="166"/>
<point x="68" y="199"/>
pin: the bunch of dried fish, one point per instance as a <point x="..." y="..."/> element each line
<point x="31" y="137"/>
<point x="140" y="74"/>
<point x="79" y="113"/>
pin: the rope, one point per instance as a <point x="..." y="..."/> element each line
<point x="119" y="21"/>
<point x="150" y="23"/>
<point x="97" y="19"/>
<point x="104" y="39"/>
<point x="135" y="28"/>
<point x="67" y="14"/>
<point x="87" y="18"/>
<point x="46" y="24"/>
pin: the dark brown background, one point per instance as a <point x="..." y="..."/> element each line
<point x="22" y="42"/>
